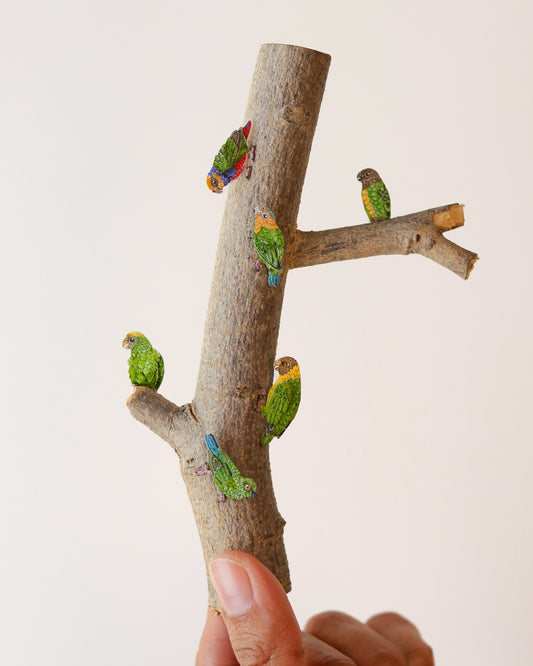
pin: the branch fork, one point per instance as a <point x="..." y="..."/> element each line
<point x="416" y="233"/>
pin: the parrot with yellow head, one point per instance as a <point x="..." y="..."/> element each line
<point x="283" y="399"/>
<point x="146" y="365"/>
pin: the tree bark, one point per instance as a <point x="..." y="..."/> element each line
<point x="241" y="330"/>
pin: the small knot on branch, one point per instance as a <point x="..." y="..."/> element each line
<point x="299" y="115"/>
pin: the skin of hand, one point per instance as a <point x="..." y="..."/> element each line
<point x="258" y="626"/>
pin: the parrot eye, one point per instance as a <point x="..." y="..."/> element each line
<point x="132" y="339"/>
<point x="247" y="486"/>
<point x="265" y="216"/>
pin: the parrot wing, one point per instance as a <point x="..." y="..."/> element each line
<point x="221" y="464"/>
<point x="144" y="369"/>
<point x="151" y="368"/>
<point x="269" y="248"/>
<point x="231" y="152"/>
<point x="380" y="200"/>
<point x="220" y="470"/>
<point x="282" y="405"/>
<point x="160" y="370"/>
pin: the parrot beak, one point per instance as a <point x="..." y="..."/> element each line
<point x="125" y="343"/>
<point x="258" y="209"/>
<point x="253" y="493"/>
<point x="359" y="177"/>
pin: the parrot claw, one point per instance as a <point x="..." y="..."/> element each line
<point x="203" y="470"/>
<point x="248" y="172"/>
<point x="251" y="152"/>
<point x="256" y="263"/>
<point x="206" y="470"/>
<point x="260" y="403"/>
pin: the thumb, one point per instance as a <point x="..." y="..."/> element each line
<point x="261" y="624"/>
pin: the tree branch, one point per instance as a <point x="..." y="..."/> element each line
<point x="172" y="423"/>
<point x="416" y="233"/>
<point x="243" y="316"/>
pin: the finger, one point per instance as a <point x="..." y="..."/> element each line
<point x="405" y="635"/>
<point x="354" y="639"/>
<point x="215" y="647"/>
<point x="261" y="625"/>
<point x="318" y="653"/>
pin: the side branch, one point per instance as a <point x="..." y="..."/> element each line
<point x="172" y="423"/>
<point x="416" y="233"/>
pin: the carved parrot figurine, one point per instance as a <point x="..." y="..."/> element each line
<point x="283" y="399"/>
<point x="145" y="363"/>
<point x="269" y="244"/>
<point x="229" y="481"/>
<point x="229" y="161"/>
<point x="375" y="195"/>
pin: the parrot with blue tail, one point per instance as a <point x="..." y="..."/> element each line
<point x="230" y="160"/>
<point x="269" y="244"/>
<point x="228" y="479"/>
<point x="283" y="399"/>
<point x="375" y="195"/>
<point x="146" y="365"/>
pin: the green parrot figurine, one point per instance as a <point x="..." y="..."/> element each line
<point x="283" y="399"/>
<point x="145" y="363"/>
<point x="375" y="195"/>
<point x="229" y="481"/>
<point x="269" y="244"/>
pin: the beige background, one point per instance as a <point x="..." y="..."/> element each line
<point x="406" y="478"/>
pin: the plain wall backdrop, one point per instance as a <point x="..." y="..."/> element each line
<point x="405" y="479"/>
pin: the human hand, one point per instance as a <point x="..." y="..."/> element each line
<point x="258" y="627"/>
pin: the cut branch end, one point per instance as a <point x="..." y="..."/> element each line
<point x="451" y="218"/>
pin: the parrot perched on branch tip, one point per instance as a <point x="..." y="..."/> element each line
<point x="146" y="365"/>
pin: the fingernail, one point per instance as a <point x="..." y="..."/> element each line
<point x="232" y="585"/>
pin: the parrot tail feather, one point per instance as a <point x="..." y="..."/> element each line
<point x="273" y="279"/>
<point x="246" y="129"/>
<point x="266" y="439"/>
<point x="212" y="444"/>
